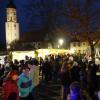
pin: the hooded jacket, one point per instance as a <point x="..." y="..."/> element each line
<point x="24" y="85"/>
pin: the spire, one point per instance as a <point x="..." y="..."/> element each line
<point x="11" y="4"/>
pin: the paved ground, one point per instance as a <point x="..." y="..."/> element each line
<point x="49" y="91"/>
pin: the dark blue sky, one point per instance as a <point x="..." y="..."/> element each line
<point x="33" y="14"/>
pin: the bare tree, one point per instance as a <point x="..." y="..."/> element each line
<point x="85" y="16"/>
<point x="15" y="45"/>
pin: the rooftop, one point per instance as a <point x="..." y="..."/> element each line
<point x="11" y="4"/>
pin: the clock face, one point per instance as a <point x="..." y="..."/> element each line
<point x="11" y="15"/>
<point x="11" y="12"/>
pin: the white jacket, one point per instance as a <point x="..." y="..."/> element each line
<point x="34" y="72"/>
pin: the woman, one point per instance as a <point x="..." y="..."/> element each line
<point x="10" y="90"/>
<point x="25" y="85"/>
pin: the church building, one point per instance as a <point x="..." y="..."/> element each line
<point x="11" y="24"/>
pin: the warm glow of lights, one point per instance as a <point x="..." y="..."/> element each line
<point x="2" y="59"/>
<point x="58" y="46"/>
<point x="72" y="51"/>
<point x="61" y="41"/>
<point x="44" y="52"/>
<point x="21" y="54"/>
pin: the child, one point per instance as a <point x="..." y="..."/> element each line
<point x="76" y="93"/>
<point x="25" y="85"/>
<point x="10" y="90"/>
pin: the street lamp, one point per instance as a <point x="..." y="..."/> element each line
<point x="61" y="41"/>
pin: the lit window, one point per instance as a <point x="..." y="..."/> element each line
<point x="15" y="26"/>
<point x="11" y="19"/>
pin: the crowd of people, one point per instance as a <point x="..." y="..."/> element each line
<point x="20" y="79"/>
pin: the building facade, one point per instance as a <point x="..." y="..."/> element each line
<point x="84" y="48"/>
<point x="11" y="24"/>
<point x="80" y="47"/>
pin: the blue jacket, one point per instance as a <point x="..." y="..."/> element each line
<point x="24" y="85"/>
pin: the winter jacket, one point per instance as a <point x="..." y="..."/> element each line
<point x="24" y="85"/>
<point x="10" y="90"/>
<point x="65" y="74"/>
<point x="83" y="96"/>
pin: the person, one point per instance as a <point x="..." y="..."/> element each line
<point x="76" y="92"/>
<point x="47" y="70"/>
<point x="10" y="90"/>
<point x="92" y="79"/>
<point x="75" y="72"/>
<point x="65" y="76"/>
<point x="34" y="74"/>
<point x="25" y="85"/>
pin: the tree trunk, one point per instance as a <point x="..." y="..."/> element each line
<point x="92" y="47"/>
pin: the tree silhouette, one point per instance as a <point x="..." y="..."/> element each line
<point x="82" y="18"/>
<point x="50" y="20"/>
<point x="84" y="15"/>
<point x="15" y="45"/>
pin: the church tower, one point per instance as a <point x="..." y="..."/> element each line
<point x="12" y="27"/>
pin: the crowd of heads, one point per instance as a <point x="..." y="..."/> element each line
<point x="82" y="72"/>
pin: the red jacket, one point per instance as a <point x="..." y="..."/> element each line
<point x="10" y="90"/>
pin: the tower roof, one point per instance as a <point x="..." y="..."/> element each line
<point x="11" y="4"/>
